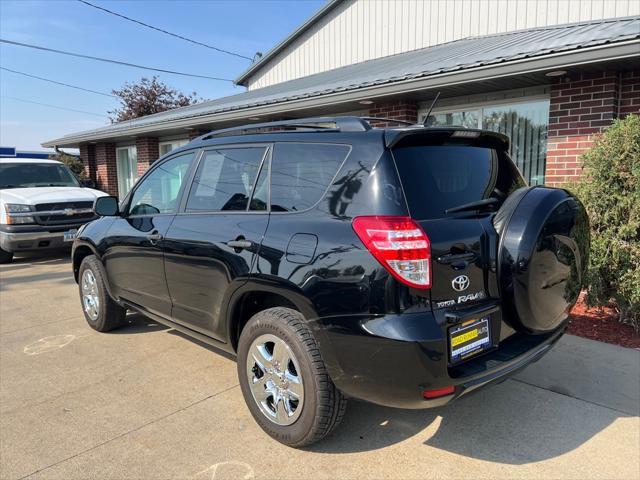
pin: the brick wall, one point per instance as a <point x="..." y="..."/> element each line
<point x="629" y="93"/>
<point x="582" y="107"/>
<point x="396" y="110"/>
<point x="148" y="151"/>
<point x="88" y="157"/>
<point x="106" y="168"/>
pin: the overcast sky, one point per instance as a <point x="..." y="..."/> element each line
<point x="242" y="26"/>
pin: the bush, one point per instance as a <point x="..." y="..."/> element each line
<point x="611" y="194"/>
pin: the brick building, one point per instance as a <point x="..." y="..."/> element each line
<point x="551" y="86"/>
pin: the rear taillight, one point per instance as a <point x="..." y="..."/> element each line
<point x="400" y="245"/>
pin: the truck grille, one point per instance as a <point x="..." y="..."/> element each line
<point x="64" y="213"/>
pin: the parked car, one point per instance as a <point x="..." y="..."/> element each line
<point x="403" y="266"/>
<point x="42" y="205"/>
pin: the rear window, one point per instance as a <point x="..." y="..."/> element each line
<point x="436" y="178"/>
<point x="302" y="172"/>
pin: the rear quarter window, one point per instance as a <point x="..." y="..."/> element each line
<point x="302" y="172"/>
<point x="438" y="177"/>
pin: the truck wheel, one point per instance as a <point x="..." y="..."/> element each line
<point x="5" y="257"/>
<point x="100" y="310"/>
<point x="284" y="380"/>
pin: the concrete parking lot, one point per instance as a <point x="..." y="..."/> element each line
<point x="147" y="402"/>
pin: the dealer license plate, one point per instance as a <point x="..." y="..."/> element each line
<point x="69" y="235"/>
<point x="469" y="339"/>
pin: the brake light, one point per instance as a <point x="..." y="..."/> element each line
<point x="400" y="245"/>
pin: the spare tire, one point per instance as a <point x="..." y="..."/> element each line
<point x="542" y="255"/>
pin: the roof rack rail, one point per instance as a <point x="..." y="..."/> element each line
<point x="323" y="124"/>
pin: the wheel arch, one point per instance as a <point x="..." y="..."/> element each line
<point x="257" y="295"/>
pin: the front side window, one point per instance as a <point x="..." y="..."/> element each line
<point x="26" y="175"/>
<point x="301" y="173"/>
<point x="159" y="191"/>
<point x="224" y="180"/>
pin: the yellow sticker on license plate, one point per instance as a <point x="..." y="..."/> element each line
<point x="465" y="337"/>
<point x="469" y="339"/>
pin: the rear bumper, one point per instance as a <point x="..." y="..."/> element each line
<point x="33" y="237"/>
<point x="390" y="360"/>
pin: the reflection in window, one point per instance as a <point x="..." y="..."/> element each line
<point x="468" y="119"/>
<point x="300" y="174"/>
<point x="225" y="179"/>
<point x="526" y="126"/>
<point x="524" y="123"/>
<point x="158" y="192"/>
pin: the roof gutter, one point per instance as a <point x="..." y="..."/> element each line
<point x="569" y="59"/>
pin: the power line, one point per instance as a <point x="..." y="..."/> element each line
<point x="53" y="106"/>
<point x="165" y="32"/>
<point x="117" y="62"/>
<point x="58" y="83"/>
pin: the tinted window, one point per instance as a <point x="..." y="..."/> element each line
<point x="301" y="173"/>
<point x="435" y="178"/>
<point x="18" y="175"/>
<point x="225" y="179"/>
<point x="158" y="192"/>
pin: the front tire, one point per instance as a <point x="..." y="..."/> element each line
<point x="5" y="257"/>
<point x="284" y="380"/>
<point x="101" y="312"/>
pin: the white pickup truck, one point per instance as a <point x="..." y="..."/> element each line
<point x="42" y="205"/>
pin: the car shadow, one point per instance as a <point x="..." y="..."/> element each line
<point x="511" y="423"/>
<point x="50" y="257"/>
<point x="138" y="323"/>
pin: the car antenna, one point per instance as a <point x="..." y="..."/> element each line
<point x="426" y="118"/>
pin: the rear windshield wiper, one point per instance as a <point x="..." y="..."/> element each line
<point x="477" y="205"/>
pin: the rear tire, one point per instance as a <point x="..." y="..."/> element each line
<point x="5" y="257"/>
<point x="101" y="312"/>
<point x="284" y="380"/>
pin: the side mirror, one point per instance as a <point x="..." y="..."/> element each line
<point x="106" y="206"/>
<point x="88" y="183"/>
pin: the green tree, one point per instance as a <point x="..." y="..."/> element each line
<point x="611" y="194"/>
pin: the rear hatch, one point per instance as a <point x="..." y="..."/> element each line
<point x="453" y="180"/>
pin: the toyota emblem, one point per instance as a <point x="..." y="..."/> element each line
<point x="460" y="283"/>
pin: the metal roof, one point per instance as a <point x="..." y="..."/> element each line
<point x="480" y="56"/>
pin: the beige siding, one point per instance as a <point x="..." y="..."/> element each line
<point x="359" y="30"/>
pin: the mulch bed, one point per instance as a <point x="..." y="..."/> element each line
<point x="601" y="324"/>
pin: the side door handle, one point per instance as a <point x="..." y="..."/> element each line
<point x="154" y="237"/>
<point x="240" y="244"/>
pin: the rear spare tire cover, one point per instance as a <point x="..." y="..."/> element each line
<point x="542" y="256"/>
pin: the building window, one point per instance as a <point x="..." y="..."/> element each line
<point x="166" y="147"/>
<point x="525" y="123"/>
<point x="127" y="159"/>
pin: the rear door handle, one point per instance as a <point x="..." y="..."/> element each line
<point x="154" y="238"/>
<point x="240" y="244"/>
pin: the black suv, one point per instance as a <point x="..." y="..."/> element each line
<point x="403" y="266"/>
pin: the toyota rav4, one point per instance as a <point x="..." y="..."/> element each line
<point x="403" y="266"/>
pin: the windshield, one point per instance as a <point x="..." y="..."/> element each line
<point x="26" y="175"/>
